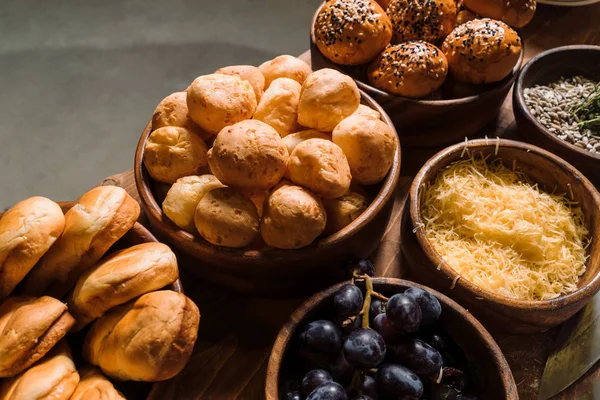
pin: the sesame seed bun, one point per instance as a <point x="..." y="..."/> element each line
<point x="428" y="20"/>
<point x="516" y="13"/>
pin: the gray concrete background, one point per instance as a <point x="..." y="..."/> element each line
<point x="80" y="79"/>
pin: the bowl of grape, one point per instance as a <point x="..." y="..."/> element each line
<point x="383" y="339"/>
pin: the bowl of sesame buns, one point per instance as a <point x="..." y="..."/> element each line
<point x="428" y="63"/>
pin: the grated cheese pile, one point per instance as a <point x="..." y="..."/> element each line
<point x="504" y="234"/>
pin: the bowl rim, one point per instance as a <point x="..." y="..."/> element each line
<point x="524" y="110"/>
<point x="495" y="86"/>
<point x="198" y="245"/>
<point x="442" y="158"/>
<point x="315" y="301"/>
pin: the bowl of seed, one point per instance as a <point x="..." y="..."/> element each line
<point x="556" y="101"/>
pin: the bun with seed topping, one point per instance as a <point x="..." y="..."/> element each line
<point x="352" y="32"/>
<point x="428" y="20"/>
<point x="412" y="69"/>
<point x="516" y="13"/>
<point x="482" y="51"/>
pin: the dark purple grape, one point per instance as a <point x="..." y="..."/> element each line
<point x="375" y="309"/>
<point x="348" y="327"/>
<point x="361" y="267"/>
<point x="314" y="378"/>
<point x="403" y="313"/>
<point x="364" y="348"/>
<point x="420" y="357"/>
<point x="340" y="370"/>
<point x="382" y="325"/>
<point x="452" y="354"/>
<point x="348" y="301"/>
<point x="431" y="308"/>
<point x="295" y="395"/>
<point x="362" y="397"/>
<point x="398" y="382"/>
<point x="368" y="386"/>
<point x="455" y="378"/>
<point x="328" y="391"/>
<point x="322" y="337"/>
<point x="444" y="392"/>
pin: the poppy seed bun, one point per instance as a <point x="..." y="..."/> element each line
<point x="284" y="66"/>
<point x="343" y="210"/>
<point x="98" y="219"/>
<point x="352" y="32"/>
<point x="427" y="20"/>
<point x="94" y="386"/>
<point x="412" y="69"/>
<point x="27" y="231"/>
<point x="516" y="13"/>
<point x="173" y="111"/>
<point x="482" y="51"/>
<point x="29" y="328"/>
<point x="248" y="73"/>
<point x="279" y="105"/>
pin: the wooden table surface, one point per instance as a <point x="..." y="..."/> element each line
<point x="236" y="332"/>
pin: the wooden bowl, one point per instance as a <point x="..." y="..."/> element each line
<point x="495" y="311"/>
<point x="262" y="270"/>
<point x="469" y="334"/>
<point x="545" y="68"/>
<point x="463" y="111"/>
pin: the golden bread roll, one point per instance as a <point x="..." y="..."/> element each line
<point x="343" y="210"/>
<point x="427" y="20"/>
<point x="173" y="152"/>
<point x="292" y="140"/>
<point x="279" y="105"/>
<point x="99" y="218"/>
<point x="516" y="13"/>
<point x="327" y="97"/>
<point x="53" y="378"/>
<point x="284" y="66"/>
<point x="248" y="155"/>
<point x="121" y="277"/>
<point x="257" y="197"/>
<point x="367" y="112"/>
<point x="29" y="328"/>
<point x="94" y="386"/>
<point x="149" y="339"/>
<point x="352" y="32"/>
<point x="293" y="217"/>
<point x="183" y="198"/>
<point x="464" y="16"/>
<point x="482" y="51"/>
<point x="173" y="111"/>
<point x="412" y="69"/>
<point x="248" y="73"/>
<point x="216" y="101"/>
<point x="369" y="145"/>
<point x="320" y="166"/>
<point x="226" y="217"/>
<point x="27" y="231"/>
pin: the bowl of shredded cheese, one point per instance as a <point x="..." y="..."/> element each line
<point x="508" y="229"/>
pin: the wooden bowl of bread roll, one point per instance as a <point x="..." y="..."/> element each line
<point x="438" y="79"/>
<point x="79" y="344"/>
<point x="276" y="204"/>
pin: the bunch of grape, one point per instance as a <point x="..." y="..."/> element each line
<point x="379" y="348"/>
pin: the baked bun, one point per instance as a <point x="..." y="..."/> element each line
<point x="172" y="152"/>
<point x="216" y="101"/>
<point x="248" y="73"/>
<point x="248" y="155"/>
<point x="53" y="378"/>
<point x="121" y="277"/>
<point x="343" y="210"/>
<point x="279" y="105"/>
<point x="428" y="20"/>
<point x="293" y="140"/>
<point x="149" y="339"/>
<point x="367" y="112"/>
<point x="226" y="217"/>
<point x="369" y="145"/>
<point x="482" y="51"/>
<point x="99" y="218"/>
<point x="94" y="386"/>
<point x="384" y="3"/>
<point x="327" y="97"/>
<point x="173" y="111"/>
<point x="320" y="166"/>
<point x="516" y="13"/>
<point x="29" y="328"/>
<point x="465" y="16"/>
<point x="293" y="217"/>
<point x="27" y="231"/>
<point x="183" y="198"/>
<point x="352" y="32"/>
<point x="412" y="69"/>
<point x="284" y="66"/>
<point x="257" y="197"/>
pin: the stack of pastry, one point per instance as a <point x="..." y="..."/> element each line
<point x="56" y="279"/>
<point x="409" y="46"/>
<point x="271" y="155"/>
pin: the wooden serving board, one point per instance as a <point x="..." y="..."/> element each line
<point x="237" y="332"/>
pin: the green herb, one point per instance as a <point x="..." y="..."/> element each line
<point x="587" y="113"/>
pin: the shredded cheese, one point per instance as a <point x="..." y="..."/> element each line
<point x="504" y="234"/>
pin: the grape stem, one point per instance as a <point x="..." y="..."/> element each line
<point x="369" y="293"/>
